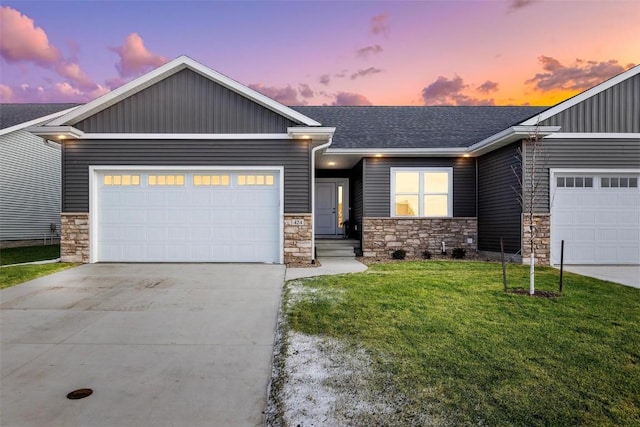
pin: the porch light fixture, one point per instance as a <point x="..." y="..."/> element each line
<point x="378" y="155"/>
<point x="331" y="163"/>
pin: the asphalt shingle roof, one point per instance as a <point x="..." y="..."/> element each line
<point x="416" y="127"/>
<point x="14" y="114"/>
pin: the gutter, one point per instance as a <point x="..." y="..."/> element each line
<point x="313" y="195"/>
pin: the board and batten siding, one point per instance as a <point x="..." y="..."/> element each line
<point x="614" y="110"/>
<point x="499" y="209"/>
<point x="585" y="154"/>
<point x="377" y="183"/>
<point x="293" y="155"/>
<point x="186" y="102"/>
<point x="29" y="187"/>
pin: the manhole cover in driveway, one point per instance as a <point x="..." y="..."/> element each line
<point x="81" y="393"/>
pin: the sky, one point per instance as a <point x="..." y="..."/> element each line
<point x="473" y="52"/>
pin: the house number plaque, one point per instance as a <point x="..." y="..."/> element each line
<point x="298" y="222"/>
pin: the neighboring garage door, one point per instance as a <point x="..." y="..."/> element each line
<point x="188" y="215"/>
<point x="598" y="217"/>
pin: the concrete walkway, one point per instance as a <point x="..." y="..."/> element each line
<point x="327" y="266"/>
<point x="628" y="275"/>
<point x="160" y="345"/>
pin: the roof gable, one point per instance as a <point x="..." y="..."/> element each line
<point x="186" y="102"/>
<point x="167" y="70"/>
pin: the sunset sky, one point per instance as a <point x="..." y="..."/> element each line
<point x="324" y="52"/>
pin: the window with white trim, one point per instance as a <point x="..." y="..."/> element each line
<point x="422" y="192"/>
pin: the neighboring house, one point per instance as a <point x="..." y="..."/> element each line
<point x="29" y="175"/>
<point x="186" y="165"/>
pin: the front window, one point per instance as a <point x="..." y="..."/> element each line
<point x="425" y="192"/>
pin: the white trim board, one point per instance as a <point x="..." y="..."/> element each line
<point x="167" y="70"/>
<point x="593" y="135"/>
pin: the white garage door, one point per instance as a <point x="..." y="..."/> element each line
<point x="598" y="217"/>
<point x="187" y="216"/>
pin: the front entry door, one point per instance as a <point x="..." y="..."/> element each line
<point x="326" y="201"/>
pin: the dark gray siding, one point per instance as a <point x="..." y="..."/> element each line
<point x="616" y="109"/>
<point x="377" y="182"/>
<point x="499" y="209"/>
<point x="186" y="103"/>
<point x="585" y="153"/>
<point x="79" y="155"/>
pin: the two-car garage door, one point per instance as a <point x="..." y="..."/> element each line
<point x="174" y="215"/>
<point x="597" y="214"/>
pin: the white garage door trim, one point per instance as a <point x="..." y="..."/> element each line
<point x="93" y="195"/>
<point x="554" y="173"/>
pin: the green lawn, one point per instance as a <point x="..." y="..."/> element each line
<point x="446" y="337"/>
<point x="27" y="254"/>
<point x="14" y="275"/>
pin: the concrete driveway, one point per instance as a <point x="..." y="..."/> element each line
<point x="628" y="275"/>
<point x="160" y="345"/>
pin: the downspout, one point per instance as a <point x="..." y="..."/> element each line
<point x="313" y="196"/>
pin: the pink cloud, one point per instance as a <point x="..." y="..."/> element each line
<point x="369" y="50"/>
<point x="72" y="71"/>
<point x="21" y="40"/>
<point x="6" y="94"/>
<point x="325" y="79"/>
<point x="135" y="59"/>
<point x="348" y="98"/>
<point x="364" y="73"/>
<point x="380" y="24"/>
<point x="284" y="95"/>
<point x="446" y="91"/>
<point x="305" y="90"/>
<point x="580" y="75"/>
<point x="488" y="86"/>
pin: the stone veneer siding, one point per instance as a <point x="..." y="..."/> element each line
<point x="382" y="236"/>
<point x="543" y="239"/>
<point x="297" y="239"/>
<point x="74" y="237"/>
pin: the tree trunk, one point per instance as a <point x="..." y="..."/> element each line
<point x="532" y="263"/>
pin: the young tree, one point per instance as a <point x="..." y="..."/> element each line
<point x="532" y="159"/>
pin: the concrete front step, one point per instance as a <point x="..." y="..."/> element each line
<point x="336" y="248"/>
<point x="335" y="253"/>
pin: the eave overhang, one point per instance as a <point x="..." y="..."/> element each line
<point x="56" y="133"/>
<point x="509" y="135"/>
<point x="316" y="133"/>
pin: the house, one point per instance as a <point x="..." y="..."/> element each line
<point x="29" y="175"/>
<point x="187" y="165"/>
